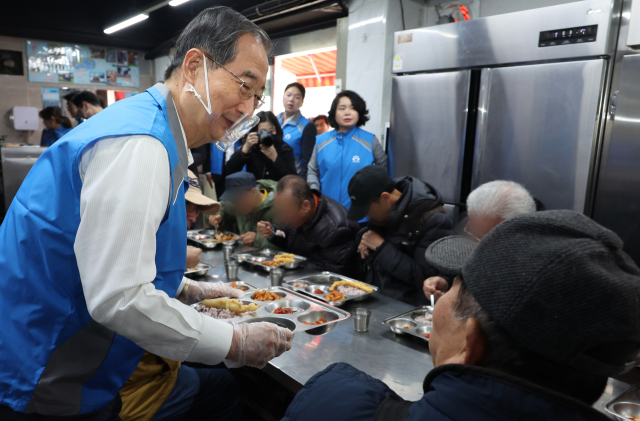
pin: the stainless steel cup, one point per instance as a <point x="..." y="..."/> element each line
<point x="276" y="275"/>
<point x="227" y="249"/>
<point x="361" y="319"/>
<point x="232" y="269"/>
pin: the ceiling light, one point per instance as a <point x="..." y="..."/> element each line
<point x="177" y="2"/>
<point x="126" y="23"/>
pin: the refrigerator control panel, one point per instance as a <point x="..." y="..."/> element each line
<point x="568" y="36"/>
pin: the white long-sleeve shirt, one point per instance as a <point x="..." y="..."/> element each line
<point x="125" y="191"/>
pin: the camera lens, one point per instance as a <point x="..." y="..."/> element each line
<point x="265" y="138"/>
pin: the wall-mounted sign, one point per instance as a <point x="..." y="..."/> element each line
<point x="80" y="64"/>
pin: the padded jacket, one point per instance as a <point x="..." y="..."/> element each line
<point x="328" y="241"/>
<point x="398" y="267"/>
<point x="451" y="393"/>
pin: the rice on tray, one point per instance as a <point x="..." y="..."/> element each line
<point x="217" y="313"/>
<point x="347" y="290"/>
<point x="427" y="319"/>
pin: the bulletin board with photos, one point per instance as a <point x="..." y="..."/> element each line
<point x="81" y="64"/>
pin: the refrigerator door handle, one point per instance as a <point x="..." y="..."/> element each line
<point x="614" y="104"/>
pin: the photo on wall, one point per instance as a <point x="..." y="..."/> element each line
<point x="112" y="78"/>
<point x="124" y="72"/>
<point x="111" y="56"/>
<point x="98" y="53"/>
<point x="11" y="63"/>
<point x="122" y="56"/>
<point x="133" y="58"/>
<point x="97" y="77"/>
<point x="66" y="77"/>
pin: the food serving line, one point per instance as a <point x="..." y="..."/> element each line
<point x="400" y="361"/>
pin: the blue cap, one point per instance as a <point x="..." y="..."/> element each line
<point x="236" y="184"/>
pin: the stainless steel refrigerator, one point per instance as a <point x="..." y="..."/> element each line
<point x="519" y="96"/>
<point x="617" y="199"/>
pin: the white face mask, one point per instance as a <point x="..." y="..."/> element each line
<point x="241" y="127"/>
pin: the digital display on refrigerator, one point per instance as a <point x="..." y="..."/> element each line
<point x="567" y="36"/>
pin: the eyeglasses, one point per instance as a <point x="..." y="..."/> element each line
<point x="193" y="208"/>
<point x="469" y="233"/>
<point x="244" y="90"/>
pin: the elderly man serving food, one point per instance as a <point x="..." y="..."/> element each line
<point x="91" y="263"/>
<point x="504" y="347"/>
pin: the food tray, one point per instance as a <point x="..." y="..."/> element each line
<point x="309" y="310"/>
<point x="323" y="281"/>
<point x="628" y="403"/>
<point x="205" y="238"/>
<point x="408" y="318"/>
<point x="200" y="270"/>
<point x="255" y="257"/>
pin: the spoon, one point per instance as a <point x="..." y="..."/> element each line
<point x="430" y="309"/>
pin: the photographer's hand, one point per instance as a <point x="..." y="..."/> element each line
<point x="269" y="152"/>
<point x="252" y="140"/>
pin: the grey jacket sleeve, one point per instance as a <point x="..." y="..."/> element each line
<point x="313" y="175"/>
<point x="379" y="155"/>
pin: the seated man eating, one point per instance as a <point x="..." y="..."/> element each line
<point x="487" y="206"/>
<point x="405" y="216"/>
<point x="246" y="201"/>
<point x="522" y="334"/>
<point x="314" y="226"/>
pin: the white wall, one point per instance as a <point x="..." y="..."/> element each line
<point x="498" y="7"/>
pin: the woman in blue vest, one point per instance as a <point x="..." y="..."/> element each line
<point x="56" y="125"/>
<point x="340" y="153"/>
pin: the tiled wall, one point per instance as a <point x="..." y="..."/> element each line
<point x="18" y="91"/>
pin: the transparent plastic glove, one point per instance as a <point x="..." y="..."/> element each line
<point x="255" y="344"/>
<point x="198" y="291"/>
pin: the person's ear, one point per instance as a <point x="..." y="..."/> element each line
<point x="385" y="196"/>
<point x="306" y="206"/>
<point x="475" y="342"/>
<point x="192" y="60"/>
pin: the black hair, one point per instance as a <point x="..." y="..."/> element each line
<point x="358" y="104"/>
<point x="269" y="117"/>
<point x="215" y="31"/>
<point x="86" y="96"/>
<point x="504" y="354"/>
<point x="322" y="117"/>
<point x="56" y="113"/>
<point x="298" y="187"/>
<point x="69" y="96"/>
<point x="297" y="85"/>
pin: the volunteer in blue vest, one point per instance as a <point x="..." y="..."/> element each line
<point x="340" y="153"/>
<point x="56" y="125"/>
<point x="93" y="247"/>
<point x="299" y="132"/>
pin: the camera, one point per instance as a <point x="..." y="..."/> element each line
<point x="265" y="138"/>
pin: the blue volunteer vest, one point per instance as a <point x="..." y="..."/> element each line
<point x="54" y="359"/>
<point x="50" y="136"/>
<point x="292" y="133"/>
<point x="340" y="155"/>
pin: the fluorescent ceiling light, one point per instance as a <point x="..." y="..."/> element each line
<point x="126" y="23"/>
<point x="177" y="2"/>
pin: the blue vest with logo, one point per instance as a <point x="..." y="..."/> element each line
<point x="55" y="359"/>
<point x="340" y="155"/>
<point x="50" y="136"/>
<point x="292" y="133"/>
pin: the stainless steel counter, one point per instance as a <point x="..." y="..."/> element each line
<point x="400" y="362"/>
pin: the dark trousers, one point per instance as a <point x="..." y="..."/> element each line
<point x="199" y="394"/>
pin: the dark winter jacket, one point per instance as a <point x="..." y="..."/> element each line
<point x="262" y="167"/>
<point x="451" y="393"/>
<point x="398" y="267"/>
<point x="328" y="241"/>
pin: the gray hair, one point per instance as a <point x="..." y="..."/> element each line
<point x="500" y="199"/>
<point x="216" y="31"/>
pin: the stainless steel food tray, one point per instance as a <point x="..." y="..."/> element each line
<point x="408" y="318"/>
<point x="309" y="310"/>
<point x="323" y="281"/>
<point x="617" y="407"/>
<point x="204" y="238"/>
<point x="200" y="270"/>
<point x="255" y="257"/>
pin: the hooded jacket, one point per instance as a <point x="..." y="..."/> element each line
<point x="398" y="267"/>
<point x="451" y="393"/>
<point x="328" y="241"/>
<point x="249" y="222"/>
